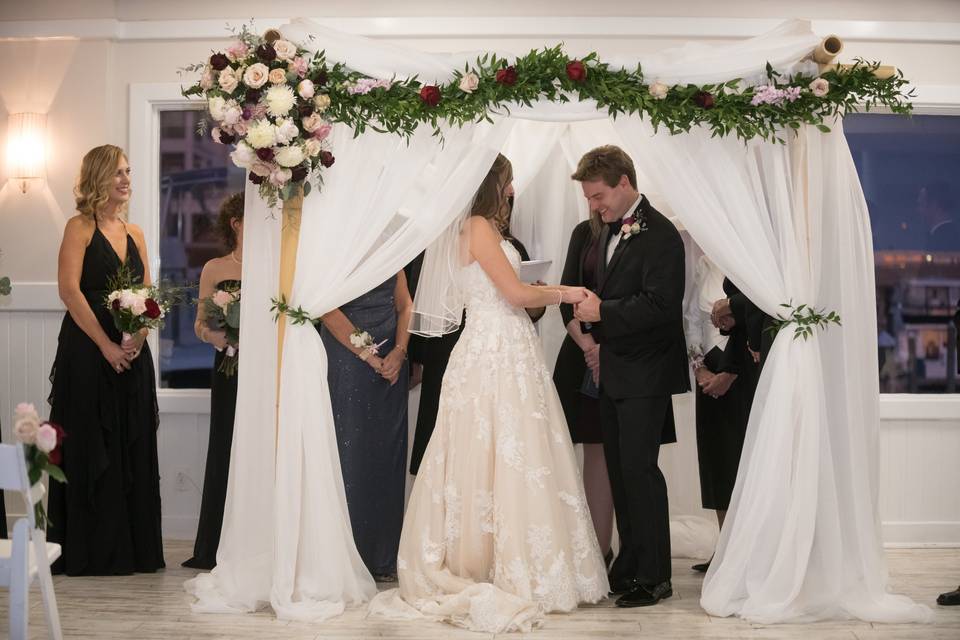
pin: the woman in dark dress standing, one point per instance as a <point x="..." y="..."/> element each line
<point x="107" y="517"/>
<point x="368" y="392"/>
<point x="433" y="353"/>
<point x="219" y="274"/>
<point x="576" y="375"/>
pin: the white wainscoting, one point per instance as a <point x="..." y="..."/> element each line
<point x="919" y="438"/>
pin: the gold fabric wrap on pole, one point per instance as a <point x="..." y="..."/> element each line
<point x="289" y="238"/>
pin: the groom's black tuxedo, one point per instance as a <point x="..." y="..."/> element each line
<point x="643" y="361"/>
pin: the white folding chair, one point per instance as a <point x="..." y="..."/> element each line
<point x="28" y="554"/>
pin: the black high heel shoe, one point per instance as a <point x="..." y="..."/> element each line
<point x="703" y="566"/>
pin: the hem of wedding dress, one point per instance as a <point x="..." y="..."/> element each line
<point x="887" y="610"/>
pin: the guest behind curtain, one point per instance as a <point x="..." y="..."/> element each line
<point x="107" y="517"/>
<point x="726" y="377"/>
<point x="432" y="354"/>
<point x="576" y="375"/>
<point x="369" y="396"/>
<point x="219" y="274"/>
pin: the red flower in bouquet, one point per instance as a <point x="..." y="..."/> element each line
<point x="704" y="99"/>
<point x="576" y="71"/>
<point x="153" y="310"/>
<point x="326" y="159"/>
<point x="430" y="94"/>
<point x="506" y="76"/>
<point x="219" y="61"/>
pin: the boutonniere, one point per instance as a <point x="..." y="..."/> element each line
<point x="633" y="225"/>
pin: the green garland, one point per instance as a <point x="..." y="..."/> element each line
<point x="805" y="318"/>
<point x="297" y="315"/>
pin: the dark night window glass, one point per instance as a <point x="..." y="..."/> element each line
<point x="190" y="197"/>
<point x="910" y="172"/>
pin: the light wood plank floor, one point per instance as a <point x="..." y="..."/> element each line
<point x="147" y="607"/>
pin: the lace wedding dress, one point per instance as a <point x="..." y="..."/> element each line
<point x="497" y="532"/>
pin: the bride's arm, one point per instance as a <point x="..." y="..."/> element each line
<point x="485" y="249"/>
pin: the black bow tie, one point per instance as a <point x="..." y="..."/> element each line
<point x="615" y="226"/>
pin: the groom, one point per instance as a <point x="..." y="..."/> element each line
<point x="636" y="316"/>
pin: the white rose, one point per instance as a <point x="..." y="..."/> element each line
<point x="285" y="50"/>
<point x="820" y="87"/>
<point x="289" y="156"/>
<point x="232" y="115"/>
<point x="286" y="131"/>
<point x="25" y="428"/>
<point x="659" y="90"/>
<point x="243" y="156"/>
<point x="321" y="102"/>
<point x="469" y="82"/>
<point x="46" y="438"/>
<point x="278" y="76"/>
<point x="306" y="89"/>
<point x="312" y="122"/>
<point x="256" y="75"/>
<point x="261" y="134"/>
<point x="228" y="80"/>
<point x="312" y="146"/>
<point x="280" y="176"/>
<point x="217" y="107"/>
<point x="262" y="168"/>
<point x="280" y="100"/>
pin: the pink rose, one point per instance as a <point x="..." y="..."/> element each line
<point x="299" y="65"/>
<point x="285" y="49"/>
<point x="240" y="128"/>
<point x="262" y="169"/>
<point x="222" y="299"/>
<point x="820" y="87"/>
<point x="232" y="115"/>
<point x="256" y="75"/>
<point x="228" y="80"/>
<point x="237" y="50"/>
<point x="25" y="407"/>
<point x="46" y="438"/>
<point x="312" y="122"/>
<point x="278" y="76"/>
<point x="323" y="131"/>
<point x="306" y="89"/>
<point x="207" y="79"/>
<point x="280" y="176"/>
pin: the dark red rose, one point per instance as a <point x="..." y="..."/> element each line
<point x="507" y="76"/>
<point x="153" y="309"/>
<point x="430" y="94"/>
<point x="252" y="96"/>
<point x="219" y="61"/>
<point x="115" y="305"/>
<point x="265" y="154"/>
<point x="305" y="109"/>
<point x="320" y="78"/>
<point x="703" y="99"/>
<point x="226" y="137"/>
<point x="61" y="434"/>
<point x="266" y="53"/>
<point x="297" y="174"/>
<point x="255" y="179"/>
<point x="576" y="71"/>
<point x="327" y="159"/>
<point x="55" y="456"/>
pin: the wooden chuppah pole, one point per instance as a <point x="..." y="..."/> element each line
<point x="831" y="46"/>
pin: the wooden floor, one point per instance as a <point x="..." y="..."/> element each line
<point x="147" y="607"/>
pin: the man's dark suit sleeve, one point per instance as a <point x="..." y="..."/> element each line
<point x="661" y="301"/>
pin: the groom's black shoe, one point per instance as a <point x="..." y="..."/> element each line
<point x="620" y="586"/>
<point x="644" y="596"/>
<point x="949" y="599"/>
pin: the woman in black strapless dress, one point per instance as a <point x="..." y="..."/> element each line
<point x="107" y="518"/>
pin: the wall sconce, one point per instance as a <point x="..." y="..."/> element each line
<point x="26" y="148"/>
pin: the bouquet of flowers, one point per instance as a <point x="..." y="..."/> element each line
<point x="267" y="97"/>
<point x="135" y="307"/>
<point x="42" y="442"/>
<point x="222" y="311"/>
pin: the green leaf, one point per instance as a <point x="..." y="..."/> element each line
<point x="55" y="472"/>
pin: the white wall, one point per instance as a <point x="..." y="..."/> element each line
<point x="83" y="84"/>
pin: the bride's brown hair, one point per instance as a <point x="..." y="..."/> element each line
<point x="489" y="198"/>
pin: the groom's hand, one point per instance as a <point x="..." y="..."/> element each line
<point x="589" y="309"/>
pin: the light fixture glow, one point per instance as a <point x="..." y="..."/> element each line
<point x="26" y="148"/>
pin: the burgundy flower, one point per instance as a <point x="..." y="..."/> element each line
<point x="507" y="76"/>
<point x="219" y="61"/>
<point x="298" y="174"/>
<point x="576" y="71"/>
<point x="430" y="94"/>
<point x="255" y="179"/>
<point x="265" y="154"/>
<point x="153" y="309"/>
<point x="703" y="99"/>
<point x="320" y="78"/>
<point x="252" y="96"/>
<point x="327" y="159"/>
<point x="305" y="109"/>
<point x="226" y="137"/>
<point x="115" y="305"/>
<point x="266" y="53"/>
<point x="55" y="456"/>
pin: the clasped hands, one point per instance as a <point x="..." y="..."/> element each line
<point x="587" y="309"/>
<point x="389" y="366"/>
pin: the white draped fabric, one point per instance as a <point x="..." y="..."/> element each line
<point x="785" y="222"/>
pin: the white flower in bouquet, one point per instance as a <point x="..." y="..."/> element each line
<point x="659" y="90"/>
<point x="232" y="115"/>
<point x="222" y="299"/>
<point x="820" y="87"/>
<point x="26" y="423"/>
<point x="286" y="131"/>
<point x="321" y="102"/>
<point x="243" y="156"/>
<point x="280" y="176"/>
<point x="280" y="100"/>
<point x="278" y="76"/>
<point x="46" y="439"/>
<point x="228" y="80"/>
<point x="217" y="107"/>
<point x="237" y="50"/>
<point x="134" y="301"/>
<point x="256" y="75"/>
<point x="261" y="168"/>
<point x="289" y="156"/>
<point x="285" y="49"/>
<point x="207" y="79"/>
<point x="306" y="89"/>
<point x="312" y="122"/>
<point x="469" y="82"/>
<point x="261" y="134"/>
<point x="312" y="146"/>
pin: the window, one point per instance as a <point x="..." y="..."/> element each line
<point x="190" y="197"/>
<point x="910" y="172"/>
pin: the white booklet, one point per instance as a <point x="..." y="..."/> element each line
<point x="533" y="270"/>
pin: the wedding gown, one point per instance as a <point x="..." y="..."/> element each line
<point x="497" y="532"/>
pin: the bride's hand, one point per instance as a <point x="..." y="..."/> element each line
<point x="573" y="295"/>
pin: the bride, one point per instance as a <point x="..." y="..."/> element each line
<point x="497" y="531"/>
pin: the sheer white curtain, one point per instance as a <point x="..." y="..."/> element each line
<point x="789" y="223"/>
